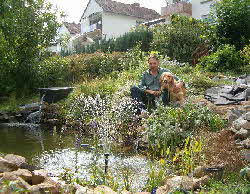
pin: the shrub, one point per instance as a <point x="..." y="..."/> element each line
<point x="232" y="22"/>
<point x="26" y="29"/>
<point x="179" y="39"/>
<point x="53" y="71"/>
<point x="226" y="58"/>
<point x="169" y="126"/>
<point x="120" y="44"/>
<point x="85" y="66"/>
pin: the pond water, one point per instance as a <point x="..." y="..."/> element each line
<point x="55" y="152"/>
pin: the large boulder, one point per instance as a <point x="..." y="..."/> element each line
<point x="241" y="123"/>
<point x="16" y="160"/>
<point x="48" y="186"/>
<point x="6" y="166"/>
<point x="38" y="176"/>
<point x="182" y="183"/>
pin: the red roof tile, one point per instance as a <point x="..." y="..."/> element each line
<point x="73" y="27"/>
<point x="128" y="9"/>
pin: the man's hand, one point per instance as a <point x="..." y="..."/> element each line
<point x="155" y="93"/>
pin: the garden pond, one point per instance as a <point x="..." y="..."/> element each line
<point x="51" y="150"/>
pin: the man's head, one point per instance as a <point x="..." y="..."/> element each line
<point x="153" y="62"/>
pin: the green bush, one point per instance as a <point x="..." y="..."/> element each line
<point x="86" y="66"/>
<point x="232" y="22"/>
<point x="53" y="71"/>
<point x="121" y="44"/>
<point x="169" y="126"/>
<point x="226" y="58"/>
<point x="26" y="30"/>
<point x="179" y="39"/>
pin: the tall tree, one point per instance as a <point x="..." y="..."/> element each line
<point x="26" y="29"/>
<point x="232" y="22"/>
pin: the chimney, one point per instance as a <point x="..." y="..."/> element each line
<point x="136" y="4"/>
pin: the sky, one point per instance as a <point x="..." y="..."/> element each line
<point x="75" y="8"/>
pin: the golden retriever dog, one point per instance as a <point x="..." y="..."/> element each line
<point x="177" y="90"/>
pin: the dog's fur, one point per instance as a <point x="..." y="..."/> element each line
<point x="177" y="90"/>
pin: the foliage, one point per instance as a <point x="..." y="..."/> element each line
<point x="26" y="29"/>
<point x="8" y="186"/>
<point x="121" y="44"/>
<point x="179" y="39"/>
<point x="185" y="160"/>
<point x="12" y="103"/>
<point x="53" y="71"/>
<point x="86" y="66"/>
<point x="245" y="54"/>
<point x="232" y="183"/>
<point x="226" y="58"/>
<point x="232" y="22"/>
<point x="169" y="126"/>
<point x="157" y="175"/>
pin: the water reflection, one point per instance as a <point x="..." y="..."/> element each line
<point x="55" y="152"/>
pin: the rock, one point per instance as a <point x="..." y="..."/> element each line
<point x="38" y="176"/>
<point x="9" y="176"/>
<point x="246" y="143"/>
<point x="199" y="172"/>
<point x="84" y="190"/>
<point x="30" y="107"/>
<point x="48" y="186"/>
<point x="247" y="116"/>
<point x="234" y="114"/>
<point x="6" y="166"/>
<point x="242" y="134"/>
<point x="44" y="188"/>
<point x="183" y="183"/>
<point x="22" y="173"/>
<point x="15" y="160"/>
<point x="29" y="167"/>
<point x="241" y="123"/>
<point x="102" y="189"/>
<point x="198" y="183"/>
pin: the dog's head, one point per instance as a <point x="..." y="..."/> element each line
<point x="166" y="79"/>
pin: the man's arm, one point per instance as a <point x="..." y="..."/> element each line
<point x="142" y="84"/>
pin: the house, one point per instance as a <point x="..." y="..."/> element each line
<point x="65" y="37"/>
<point x="173" y="7"/>
<point x="201" y="8"/>
<point x="111" y="19"/>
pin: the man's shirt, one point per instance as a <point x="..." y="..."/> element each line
<point x="151" y="82"/>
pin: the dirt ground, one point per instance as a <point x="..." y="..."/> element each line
<point x="220" y="148"/>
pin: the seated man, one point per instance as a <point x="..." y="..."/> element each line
<point x="149" y="88"/>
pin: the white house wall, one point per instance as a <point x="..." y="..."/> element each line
<point x="201" y="8"/>
<point x="114" y="25"/>
<point x="92" y="7"/>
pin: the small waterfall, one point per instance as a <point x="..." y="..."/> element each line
<point x="40" y="108"/>
<point x="35" y="117"/>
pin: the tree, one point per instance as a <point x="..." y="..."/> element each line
<point x="26" y="29"/>
<point x="232" y="22"/>
<point x="179" y="39"/>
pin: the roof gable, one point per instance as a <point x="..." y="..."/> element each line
<point x="127" y="9"/>
<point x="73" y="28"/>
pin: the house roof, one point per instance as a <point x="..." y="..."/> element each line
<point x="73" y="28"/>
<point x="127" y="9"/>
